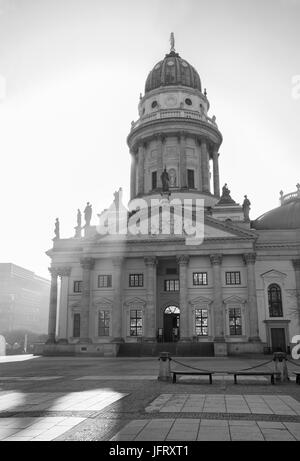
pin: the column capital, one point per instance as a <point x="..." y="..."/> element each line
<point x="64" y="271"/>
<point x="296" y="264"/>
<point x="53" y="271"/>
<point x="216" y="260"/>
<point x="150" y="260"/>
<point x="87" y="263"/>
<point x="249" y="258"/>
<point x="183" y="260"/>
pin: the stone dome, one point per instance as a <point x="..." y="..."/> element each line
<point x="173" y="70"/>
<point x="286" y="216"/>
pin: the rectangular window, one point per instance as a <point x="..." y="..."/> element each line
<point x="233" y="278"/>
<point x="76" y="326"/>
<point x="154" y="179"/>
<point x="172" y="285"/>
<point x="104" y="281"/>
<point x="136" y="280"/>
<point x="136" y="323"/>
<point x="201" y="322"/>
<point x="235" y="321"/>
<point x="77" y="287"/>
<point x="200" y="278"/>
<point x="103" y="323"/>
<point x="191" y="179"/>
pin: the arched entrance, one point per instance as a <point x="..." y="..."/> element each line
<point x="171" y="324"/>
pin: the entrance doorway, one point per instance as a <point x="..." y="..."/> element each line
<point x="278" y="340"/>
<point x="171" y="324"/>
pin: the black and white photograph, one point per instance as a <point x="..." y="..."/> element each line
<point x="150" y="224"/>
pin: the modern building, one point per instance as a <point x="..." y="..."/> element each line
<point x="237" y="291"/>
<point x="24" y="300"/>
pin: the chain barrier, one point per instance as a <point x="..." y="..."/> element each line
<point x="294" y="363"/>
<point x="216" y="371"/>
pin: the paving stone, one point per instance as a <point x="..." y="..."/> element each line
<point x="277" y="435"/>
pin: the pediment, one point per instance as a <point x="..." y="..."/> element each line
<point x="273" y="273"/>
<point x="200" y="300"/>
<point x="102" y="302"/>
<point x="135" y="301"/>
<point x="234" y="300"/>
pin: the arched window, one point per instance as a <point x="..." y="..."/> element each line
<point x="275" y="301"/>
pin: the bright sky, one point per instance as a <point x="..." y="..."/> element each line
<point x="73" y="71"/>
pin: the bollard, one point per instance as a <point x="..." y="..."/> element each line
<point x="279" y="359"/>
<point x="164" y="367"/>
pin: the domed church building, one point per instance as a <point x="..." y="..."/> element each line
<point x="235" y="290"/>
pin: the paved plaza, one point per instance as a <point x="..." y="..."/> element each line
<point x="120" y="399"/>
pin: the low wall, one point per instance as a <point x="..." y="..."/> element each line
<point x="89" y="350"/>
<point x="245" y="348"/>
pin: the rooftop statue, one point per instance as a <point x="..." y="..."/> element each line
<point x="246" y="208"/>
<point x="56" y="229"/>
<point x="88" y="214"/>
<point x="78" y="218"/>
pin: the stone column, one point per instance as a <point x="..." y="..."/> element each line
<point x="218" y="311"/>
<point x="117" y="305"/>
<point x="296" y="264"/>
<point x="182" y="161"/>
<point x="185" y="334"/>
<point x="64" y="274"/>
<point x="150" y="321"/>
<point x="87" y="265"/>
<point x="160" y="159"/>
<point x="216" y="172"/>
<point x="141" y="172"/>
<point x="249" y="260"/>
<point x="205" y="166"/>
<point x="200" y="179"/>
<point x="133" y="176"/>
<point x="52" y="306"/>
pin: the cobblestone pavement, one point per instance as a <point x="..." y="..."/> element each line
<point x="56" y="398"/>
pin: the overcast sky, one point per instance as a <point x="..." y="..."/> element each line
<point x="74" y="70"/>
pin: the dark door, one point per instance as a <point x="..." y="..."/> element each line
<point x="171" y="327"/>
<point x="278" y="340"/>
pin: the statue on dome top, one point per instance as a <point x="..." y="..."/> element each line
<point x="246" y="208"/>
<point x="172" y="42"/>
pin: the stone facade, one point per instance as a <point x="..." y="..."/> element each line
<point x="141" y="290"/>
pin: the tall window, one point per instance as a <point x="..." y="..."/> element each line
<point x="191" y="179"/>
<point x="136" y="323"/>
<point x="275" y="300"/>
<point x="201" y="322"/>
<point x="77" y="287"/>
<point x="154" y="179"/>
<point x="136" y="280"/>
<point x="104" y="281"/>
<point x="103" y="323"/>
<point x="200" y="278"/>
<point x="76" y="326"/>
<point x="233" y="278"/>
<point x="172" y="285"/>
<point x="235" y="321"/>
